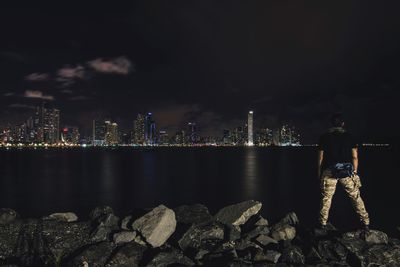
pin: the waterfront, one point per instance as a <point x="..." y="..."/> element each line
<point x="39" y="182"/>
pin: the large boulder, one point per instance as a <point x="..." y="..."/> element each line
<point x="285" y="228"/>
<point x="202" y="236"/>
<point x="238" y="214"/>
<point x="7" y="216"/>
<point x="9" y="239"/>
<point x="94" y="255"/>
<point x="124" y="237"/>
<point x="293" y="255"/>
<point x="156" y="226"/>
<point x="172" y="257"/>
<point x="285" y="232"/>
<point x="63" y="216"/>
<point x="189" y="214"/>
<point x="62" y="238"/>
<point x="377" y="255"/>
<point x="374" y="237"/>
<point x="104" y="226"/>
<point x="269" y="255"/>
<point x="100" y="211"/>
<point x="265" y="240"/>
<point x="128" y="255"/>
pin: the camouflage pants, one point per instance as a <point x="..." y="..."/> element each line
<point x="351" y="186"/>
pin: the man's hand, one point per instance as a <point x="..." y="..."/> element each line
<point x="320" y="158"/>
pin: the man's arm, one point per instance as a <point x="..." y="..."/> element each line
<point x="320" y="158"/>
<point x="354" y="154"/>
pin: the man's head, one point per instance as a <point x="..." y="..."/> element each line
<point x="337" y="120"/>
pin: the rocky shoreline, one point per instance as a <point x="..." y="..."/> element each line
<point x="188" y="235"/>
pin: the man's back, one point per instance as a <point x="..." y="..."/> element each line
<point x="337" y="145"/>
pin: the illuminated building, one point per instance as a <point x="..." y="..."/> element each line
<point x="191" y="133"/>
<point x="99" y="133"/>
<point x="265" y="137"/>
<point x="70" y="135"/>
<point x="139" y="130"/>
<point x="250" y="141"/>
<point x="226" y="137"/>
<point x="111" y="133"/>
<point x="288" y="136"/>
<point x="163" y="138"/>
<point x="180" y="138"/>
<point x="150" y="135"/>
<point x="239" y="136"/>
<point x="51" y="125"/>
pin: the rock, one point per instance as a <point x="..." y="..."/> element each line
<point x="285" y="232"/>
<point x="202" y="236"/>
<point x="293" y="255"/>
<point x="94" y="255"/>
<point x="200" y="254"/>
<point x="238" y="214"/>
<point x="225" y="247"/>
<point x="156" y="226"/>
<point x="261" y="221"/>
<point x="99" y="212"/>
<point x="62" y="238"/>
<point x="331" y="251"/>
<point x="374" y="237"/>
<point x="313" y="256"/>
<point x="258" y="230"/>
<point x="265" y="240"/>
<point x="109" y="220"/>
<point x="272" y="256"/>
<point x="106" y="224"/>
<point x="9" y="239"/>
<point x="290" y="218"/>
<point x="126" y="223"/>
<point x="245" y="244"/>
<point x="128" y="255"/>
<point x="189" y="214"/>
<point x="233" y="232"/>
<point x="64" y="217"/>
<point x="7" y="216"/>
<point x="168" y="258"/>
<point x="124" y="237"/>
<point x="378" y="255"/>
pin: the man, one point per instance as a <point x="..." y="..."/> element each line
<point x="338" y="162"/>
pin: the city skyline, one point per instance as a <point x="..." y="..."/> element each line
<point x="205" y="63"/>
<point x="44" y="127"/>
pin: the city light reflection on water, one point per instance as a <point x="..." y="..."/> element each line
<point x="250" y="173"/>
<point x="39" y="182"/>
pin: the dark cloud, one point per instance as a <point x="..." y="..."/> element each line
<point x="37" y="77"/>
<point x="37" y="94"/>
<point x="119" y="65"/>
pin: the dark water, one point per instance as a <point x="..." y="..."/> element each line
<point x="37" y="182"/>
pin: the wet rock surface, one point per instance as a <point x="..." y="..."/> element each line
<point x="187" y="236"/>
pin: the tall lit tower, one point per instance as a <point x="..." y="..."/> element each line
<point x="250" y="141"/>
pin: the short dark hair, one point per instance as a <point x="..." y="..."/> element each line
<point x="337" y="120"/>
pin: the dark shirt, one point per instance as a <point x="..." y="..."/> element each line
<point x="337" y="145"/>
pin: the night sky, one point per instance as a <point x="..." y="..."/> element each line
<point x="208" y="62"/>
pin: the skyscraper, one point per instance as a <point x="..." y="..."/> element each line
<point x="51" y="125"/>
<point x="191" y="133"/>
<point x="250" y="141"/>
<point x="99" y="133"/>
<point x="150" y="130"/>
<point x="70" y="135"/>
<point x="138" y="130"/>
<point x="111" y="133"/>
